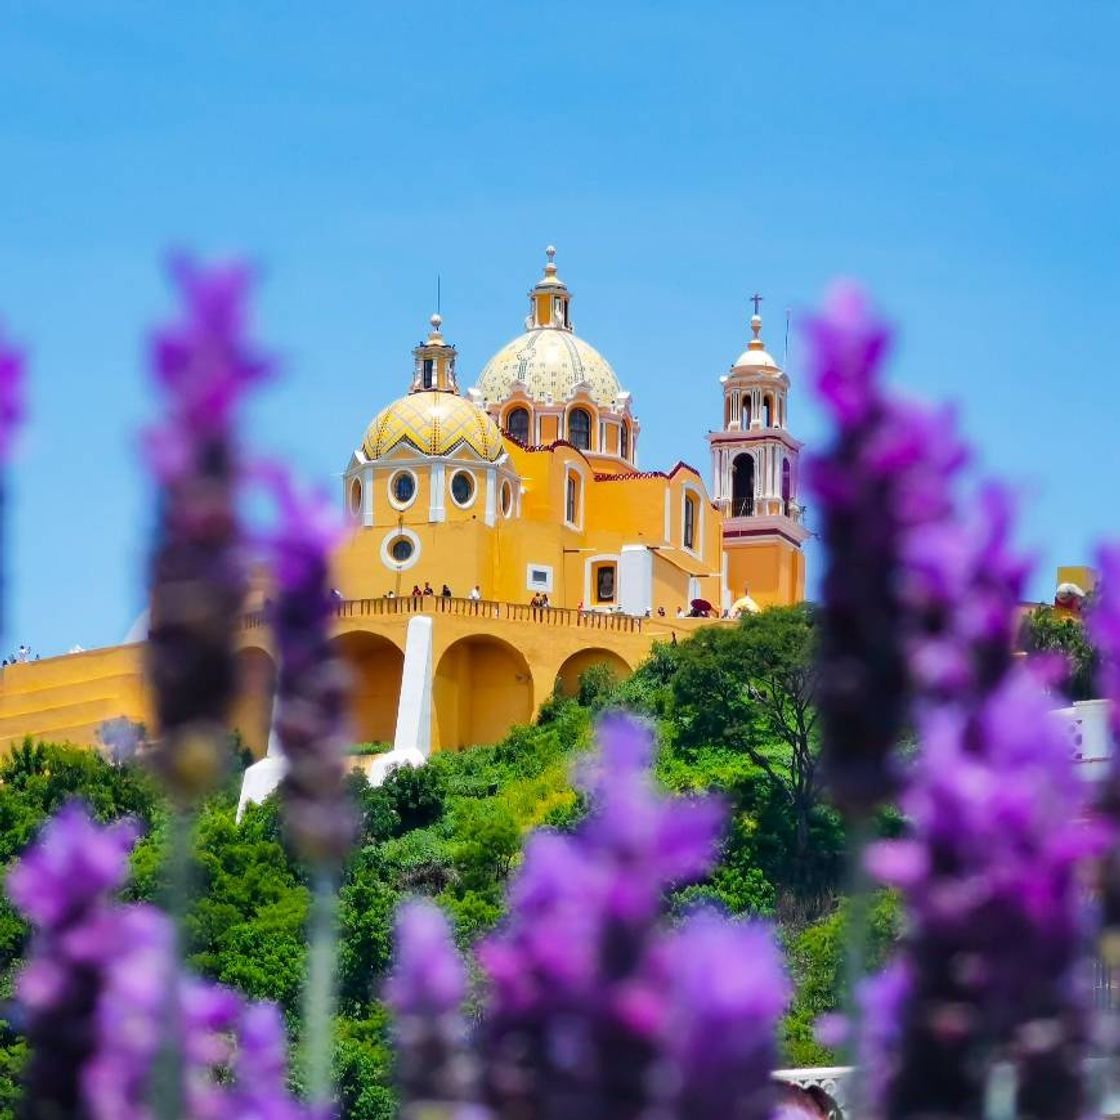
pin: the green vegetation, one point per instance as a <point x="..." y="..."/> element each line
<point x="1044" y="630"/>
<point x="732" y="708"/>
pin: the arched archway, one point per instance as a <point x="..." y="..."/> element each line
<point x="483" y="687"/>
<point x="376" y="666"/>
<point x="742" y="485"/>
<point x="251" y="717"/>
<point x="567" y="679"/>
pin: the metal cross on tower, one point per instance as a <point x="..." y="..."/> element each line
<point x="756" y="299"/>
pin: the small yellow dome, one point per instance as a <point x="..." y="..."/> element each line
<point x="551" y="363"/>
<point x="433" y="423"/>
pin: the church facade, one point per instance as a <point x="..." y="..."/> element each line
<point x="503" y="540"/>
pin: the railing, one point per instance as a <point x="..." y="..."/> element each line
<point x="742" y="507"/>
<point x="831" y="1081"/>
<point x="469" y="608"/>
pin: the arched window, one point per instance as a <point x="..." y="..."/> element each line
<point x="571" y="507"/>
<point x="767" y="412"/>
<point x="517" y="424"/>
<point x="742" y="486"/>
<point x="624" y="440"/>
<point x="746" y="422"/>
<point x="579" y="428"/>
<point x="689" y="521"/>
<point x="429" y="372"/>
<point x="356" y="497"/>
<point x="787" y="486"/>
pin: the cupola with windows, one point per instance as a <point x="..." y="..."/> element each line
<point x="548" y="384"/>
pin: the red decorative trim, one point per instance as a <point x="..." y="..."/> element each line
<point x="681" y="466"/>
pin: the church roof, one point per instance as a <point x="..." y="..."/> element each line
<point x="433" y="423"/>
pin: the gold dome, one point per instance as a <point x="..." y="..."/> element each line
<point x="551" y="362"/>
<point x="433" y="423"/>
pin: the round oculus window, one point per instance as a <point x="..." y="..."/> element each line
<point x="507" y="498"/>
<point x="462" y="487"/>
<point x="403" y="487"/>
<point x="401" y="550"/>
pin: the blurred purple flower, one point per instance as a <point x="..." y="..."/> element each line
<point x="727" y="989"/>
<point x="12" y="405"/>
<point x="94" y="995"/>
<point x="596" y="1008"/>
<point x="203" y="365"/>
<point x="313" y="686"/>
<point x="426" y="992"/>
<point x="999" y="820"/>
<point x="885" y="476"/>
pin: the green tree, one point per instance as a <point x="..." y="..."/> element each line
<point x="752" y="688"/>
<point x="1044" y="630"/>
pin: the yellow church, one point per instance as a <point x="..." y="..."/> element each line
<point x="504" y="540"/>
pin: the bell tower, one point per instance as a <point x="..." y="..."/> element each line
<point x="756" y="480"/>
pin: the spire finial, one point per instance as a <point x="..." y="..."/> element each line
<point x="550" y="268"/>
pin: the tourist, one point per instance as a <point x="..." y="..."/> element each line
<point x="544" y="600"/>
<point x="680" y="612"/>
<point x="428" y="588"/>
<point x="660" y="612"/>
<point x="476" y="593"/>
<point x="416" y="592"/>
<point x="446" y="592"/>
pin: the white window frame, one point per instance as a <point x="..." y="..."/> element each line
<point x="389" y="560"/>
<point x="474" y="488"/>
<point x="533" y="585"/>
<point x="415" y="488"/>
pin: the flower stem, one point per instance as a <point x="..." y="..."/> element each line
<point x="168" y="1093"/>
<point x="861" y="830"/>
<point x="319" y="994"/>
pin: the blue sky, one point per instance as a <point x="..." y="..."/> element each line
<point x="960" y="159"/>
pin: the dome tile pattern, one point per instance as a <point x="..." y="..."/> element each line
<point x="552" y="363"/>
<point x="433" y="423"/>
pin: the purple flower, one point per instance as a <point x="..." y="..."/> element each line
<point x="94" y="995"/>
<point x="63" y="886"/>
<point x="426" y="992"/>
<point x="12" y="378"/>
<point x="727" y="989"/>
<point x="203" y="366"/>
<point x="596" y="1007"/>
<point x="886" y="475"/>
<point x="990" y="880"/>
<point x="313" y="686"/>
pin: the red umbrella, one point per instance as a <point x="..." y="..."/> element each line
<point x="702" y="606"/>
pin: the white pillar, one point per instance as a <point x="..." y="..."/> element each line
<point x="635" y="580"/>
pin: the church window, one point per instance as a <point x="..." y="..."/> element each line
<point x="462" y="488"/>
<point x="605" y="576"/>
<point x="507" y="499"/>
<point x="517" y="424"/>
<point x="624" y="440"/>
<point x="402" y="486"/>
<point x="571" y="504"/>
<point x="746" y="411"/>
<point x="767" y="412"/>
<point x="579" y="428"/>
<point x="689" y="521"/>
<point x="401" y="549"/>
<point x="787" y="486"/>
<point x="356" y="497"/>
<point x="429" y="372"/>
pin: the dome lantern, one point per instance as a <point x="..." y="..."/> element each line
<point x="434" y="368"/>
<point x="550" y="301"/>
